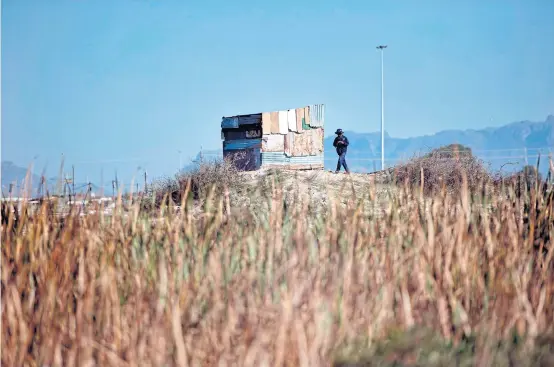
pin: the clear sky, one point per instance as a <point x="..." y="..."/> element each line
<point x="135" y="81"/>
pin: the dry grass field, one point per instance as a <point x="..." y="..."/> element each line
<point x="281" y="269"/>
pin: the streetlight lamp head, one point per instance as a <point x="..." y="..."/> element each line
<point x="381" y="47"/>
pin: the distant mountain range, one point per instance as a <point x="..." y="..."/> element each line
<point x="507" y="145"/>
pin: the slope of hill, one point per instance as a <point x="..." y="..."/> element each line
<point x="12" y="174"/>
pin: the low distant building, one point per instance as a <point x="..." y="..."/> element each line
<point x="290" y="139"/>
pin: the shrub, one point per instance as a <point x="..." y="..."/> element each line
<point x="526" y="179"/>
<point x="218" y="174"/>
<point x="423" y="347"/>
<point x="443" y="168"/>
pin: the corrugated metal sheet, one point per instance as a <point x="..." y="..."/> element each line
<point x="279" y="158"/>
<point x="254" y="119"/>
<point x="317" y="115"/>
<point x="229" y="122"/>
<point x="242" y="144"/>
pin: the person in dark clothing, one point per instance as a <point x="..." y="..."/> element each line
<point x="341" y="144"/>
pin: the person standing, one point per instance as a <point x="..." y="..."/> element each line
<point x="341" y="144"/>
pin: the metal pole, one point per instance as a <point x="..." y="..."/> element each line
<point x="526" y="160"/>
<point x="145" y="181"/>
<point x="382" y="113"/>
<point x="73" y="179"/>
<point x="382" y="47"/>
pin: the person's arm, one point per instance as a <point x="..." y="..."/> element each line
<point x="335" y="142"/>
<point x="346" y="142"/>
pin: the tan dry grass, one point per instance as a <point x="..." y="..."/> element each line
<point x="272" y="284"/>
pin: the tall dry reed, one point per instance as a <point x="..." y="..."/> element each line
<point x="221" y="286"/>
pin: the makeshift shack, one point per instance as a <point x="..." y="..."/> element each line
<point x="290" y="139"/>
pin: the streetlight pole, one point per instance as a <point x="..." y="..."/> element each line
<point x="382" y="48"/>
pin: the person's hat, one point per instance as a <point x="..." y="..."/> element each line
<point x="338" y="132"/>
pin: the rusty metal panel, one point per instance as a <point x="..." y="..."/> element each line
<point x="309" y="142"/>
<point x="299" y="118"/>
<point x="274" y="116"/>
<point x="266" y="123"/>
<point x="273" y="143"/>
<point x="289" y="143"/>
<point x="318" y="136"/>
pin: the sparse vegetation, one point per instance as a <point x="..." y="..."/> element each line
<point x="443" y="169"/>
<point x="219" y="175"/>
<point x="460" y="278"/>
<point x="526" y="179"/>
<point x="420" y="346"/>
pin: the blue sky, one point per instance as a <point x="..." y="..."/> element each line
<point x="134" y="81"/>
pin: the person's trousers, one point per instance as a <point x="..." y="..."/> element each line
<point x="342" y="162"/>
